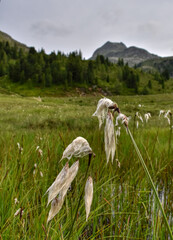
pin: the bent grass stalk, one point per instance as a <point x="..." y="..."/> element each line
<point x="170" y="135"/>
<point x="151" y="182"/>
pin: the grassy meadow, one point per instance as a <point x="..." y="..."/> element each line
<point x="123" y="207"/>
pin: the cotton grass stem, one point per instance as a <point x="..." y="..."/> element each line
<point x="151" y="182"/>
<point x="134" y="124"/>
<point x="170" y="135"/>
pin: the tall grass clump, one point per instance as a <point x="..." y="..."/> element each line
<point x="151" y="182"/>
<point x="100" y="112"/>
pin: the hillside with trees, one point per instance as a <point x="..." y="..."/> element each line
<point x="59" y="73"/>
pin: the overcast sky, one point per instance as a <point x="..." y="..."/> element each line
<point x="69" y="25"/>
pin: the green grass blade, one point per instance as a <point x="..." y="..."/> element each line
<point x="151" y="182"/>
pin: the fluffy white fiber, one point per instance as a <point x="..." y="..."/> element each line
<point x="109" y="137"/>
<point x="102" y="109"/>
<point x="78" y="148"/>
<point x="88" y="196"/>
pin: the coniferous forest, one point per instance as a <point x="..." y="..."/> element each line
<point x="36" y="69"/>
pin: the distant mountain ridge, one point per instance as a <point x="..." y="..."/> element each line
<point x="160" y="64"/>
<point x="131" y="55"/>
<point x="7" y="38"/>
<point x="134" y="56"/>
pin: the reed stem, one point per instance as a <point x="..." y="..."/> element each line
<point x="151" y="182"/>
<point x="170" y="135"/>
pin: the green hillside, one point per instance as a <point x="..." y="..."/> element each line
<point x="6" y="38"/>
<point x="25" y="71"/>
<point x="159" y="64"/>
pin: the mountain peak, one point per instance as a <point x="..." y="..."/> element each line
<point x="131" y="55"/>
<point x="113" y="47"/>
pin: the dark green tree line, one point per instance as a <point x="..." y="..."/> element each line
<point x="38" y="69"/>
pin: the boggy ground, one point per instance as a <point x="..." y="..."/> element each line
<point x="123" y="206"/>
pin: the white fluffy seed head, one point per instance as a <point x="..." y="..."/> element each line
<point x="78" y="148"/>
<point x="123" y="119"/>
<point x="166" y="114"/>
<point x="58" y="184"/>
<point x="139" y="116"/>
<point x="109" y="137"/>
<point x="88" y="195"/>
<point x="161" y="112"/>
<point x="147" y="116"/>
<point x="118" y="132"/>
<point x="56" y="205"/>
<point x="73" y="170"/>
<point x="102" y="109"/>
<point x="57" y="202"/>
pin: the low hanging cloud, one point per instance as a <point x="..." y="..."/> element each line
<point x="148" y="29"/>
<point x="69" y="25"/>
<point x="47" y="28"/>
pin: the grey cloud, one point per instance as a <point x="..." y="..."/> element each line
<point x="47" y="28"/>
<point x="108" y="15"/>
<point x="87" y="25"/>
<point x="148" y="29"/>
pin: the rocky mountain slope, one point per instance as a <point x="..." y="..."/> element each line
<point x="130" y="55"/>
<point x="160" y="64"/>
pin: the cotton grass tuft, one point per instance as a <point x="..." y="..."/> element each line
<point x="102" y="109"/>
<point x="57" y="202"/>
<point x="78" y="148"/>
<point x="109" y="138"/>
<point x="58" y="184"/>
<point x="88" y="195"/>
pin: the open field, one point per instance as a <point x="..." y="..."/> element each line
<point x="123" y="207"/>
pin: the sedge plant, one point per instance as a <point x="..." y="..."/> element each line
<point x="78" y="148"/>
<point x="125" y="122"/>
<point x="102" y="109"/>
